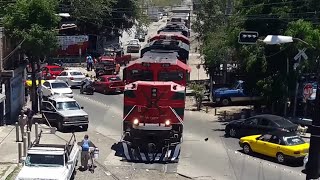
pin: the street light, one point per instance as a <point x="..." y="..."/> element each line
<point x="312" y="167"/>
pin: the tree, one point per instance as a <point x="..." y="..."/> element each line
<point x="198" y="93"/>
<point x="34" y="22"/>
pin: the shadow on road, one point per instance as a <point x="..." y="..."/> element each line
<point x="271" y="159"/>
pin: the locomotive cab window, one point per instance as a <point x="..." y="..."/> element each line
<point x="141" y="75"/>
<point x="170" y="76"/>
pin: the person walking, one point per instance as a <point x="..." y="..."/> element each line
<point x="85" y="152"/>
<point x="89" y="63"/>
<point x="117" y="68"/>
<point x="22" y="121"/>
<point x="30" y="113"/>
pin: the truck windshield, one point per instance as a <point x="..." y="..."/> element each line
<point x="71" y="105"/>
<point x="44" y="160"/>
<point x="141" y="75"/>
<point x="170" y="76"/>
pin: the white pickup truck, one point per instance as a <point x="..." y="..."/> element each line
<point x="50" y="161"/>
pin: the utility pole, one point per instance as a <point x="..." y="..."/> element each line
<point x="312" y="167"/>
<point x="226" y="57"/>
<point x="287" y="91"/>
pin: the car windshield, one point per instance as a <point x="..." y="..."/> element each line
<point x="59" y="85"/>
<point x="114" y="79"/>
<point x="75" y="73"/>
<point x="71" y="105"/>
<point x="44" y="160"/>
<point x="56" y="69"/>
<point x="134" y="42"/>
<point x="139" y="75"/>
<point x="293" y="140"/>
<point x="170" y="76"/>
<point x="282" y="122"/>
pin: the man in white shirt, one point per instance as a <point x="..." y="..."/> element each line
<point x="22" y="120"/>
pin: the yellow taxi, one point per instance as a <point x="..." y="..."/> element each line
<point x="283" y="146"/>
<point x="28" y="82"/>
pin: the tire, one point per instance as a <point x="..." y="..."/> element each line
<point x="105" y="91"/>
<point x="85" y="127"/>
<point x="60" y="126"/>
<point x="246" y="148"/>
<point x="280" y="158"/>
<point x="225" y="102"/>
<point x="232" y="132"/>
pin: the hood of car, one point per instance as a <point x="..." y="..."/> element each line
<point x="238" y="121"/>
<point x="42" y="173"/>
<point x="71" y="113"/>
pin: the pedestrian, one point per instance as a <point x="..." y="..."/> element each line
<point x="117" y="68"/>
<point x="30" y="113"/>
<point x="85" y="152"/>
<point x="26" y="93"/>
<point x="22" y="120"/>
<point x="89" y="62"/>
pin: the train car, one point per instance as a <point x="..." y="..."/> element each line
<point x="152" y="121"/>
<point x="170" y="36"/>
<point x="168" y="45"/>
<point x="157" y="66"/>
<point x="175" y="27"/>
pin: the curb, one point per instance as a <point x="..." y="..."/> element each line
<point x="9" y="171"/>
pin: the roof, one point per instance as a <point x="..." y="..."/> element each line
<point x="269" y="116"/>
<point x="157" y="83"/>
<point x="55" y="81"/>
<point x="282" y="133"/>
<point x="107" y="76"/>
<point x="61" y="98"/>
<point x="160" y="57"/>
<point x="46" y="150"/>
<point x="171" y="36"/>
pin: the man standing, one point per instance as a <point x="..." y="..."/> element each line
<point x="89" y="63"/>
<point x="30" y="113"/>
<point x="22" y="120"/>
<point x="85" y="152"/>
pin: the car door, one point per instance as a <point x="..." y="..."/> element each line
<point x="273" y="146"/>
<point x="49" y="110"/>
<point x="46" y="89"/>
<point x="250" y="127"/>
<point x="97" y="84"/>
<point x="261" y="144"/>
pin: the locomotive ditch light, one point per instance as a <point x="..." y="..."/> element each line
<point x="136" y="122"/>
<point x="154" y="92"/>
<point x="167" y="123"/>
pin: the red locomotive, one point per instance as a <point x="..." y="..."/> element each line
<point x="154" y="101"/>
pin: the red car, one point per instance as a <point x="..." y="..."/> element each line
<point x="51" y="71"/>
<point x="109" y="83"/>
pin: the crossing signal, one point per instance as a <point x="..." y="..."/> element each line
<point x="248" y="37"/>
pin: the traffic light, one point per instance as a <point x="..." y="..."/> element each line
<point x="248" y="37"/>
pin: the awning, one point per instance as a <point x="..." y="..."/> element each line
<point x="2" y="97"/>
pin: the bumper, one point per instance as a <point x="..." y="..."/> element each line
<point x="295" y="158"/>
<point x="116" y="89"/>
<point x="75" y="123"/>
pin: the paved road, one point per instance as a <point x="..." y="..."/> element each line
<point x="216" y="158"/>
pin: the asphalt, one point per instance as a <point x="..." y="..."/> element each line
<point x="217" y="158"/>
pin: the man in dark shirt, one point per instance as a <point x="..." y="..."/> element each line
<point x="30" y="113"/>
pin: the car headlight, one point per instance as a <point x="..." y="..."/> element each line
<point x="86" y="117"/>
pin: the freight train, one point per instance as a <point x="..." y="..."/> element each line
<point x="154" y="99"/>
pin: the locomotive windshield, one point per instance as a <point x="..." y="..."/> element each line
<point x="141" y="75"/>
<point x="170" y="76"/>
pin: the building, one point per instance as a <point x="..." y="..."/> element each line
<point x="12" y="74"/>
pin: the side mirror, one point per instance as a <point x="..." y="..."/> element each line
<point x="82" y="107"/>
<point x="70" y="162"/>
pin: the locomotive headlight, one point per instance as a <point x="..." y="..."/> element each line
<point x="136" y="122"/>
<point x="167" y="123"/>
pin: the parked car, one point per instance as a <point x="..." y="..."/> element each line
<point x="133" y="46"/>
<point x="283" y="146"/>
<point x="72" y="77"/>
<point x="108" y="84"/>
<point x="28" y="82"/>
<point x="141" y="36"/>
<point x="51" y="71"/>
<point x="56" y="87"/>
<point x="259" y="124"/>
<point x="65" y="112"/>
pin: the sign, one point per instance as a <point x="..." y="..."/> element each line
<point x="307" y="91"/>
<point x="301" y="53"/>
<point x="248" y="37"/>
<point x="70" y="45"/>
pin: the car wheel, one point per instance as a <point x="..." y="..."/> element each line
<point x="280" y="158"/>
<point x="233" y="132"/>
<point x="85" y="127"/>
<point x="105" y="91"/>
<point x="225" y="102"/>
<point x="246" y="148"/>
<point x="60" y="127"/>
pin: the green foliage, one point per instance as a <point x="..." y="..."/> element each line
<point x="35" y="21"/>
<point x="264" y="66"/>
<point x="198" y="90"/>
<point x="163" y="3"/>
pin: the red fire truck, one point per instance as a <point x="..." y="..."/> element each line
<point x="157" y="66"/>
<point x="152" y="121"/>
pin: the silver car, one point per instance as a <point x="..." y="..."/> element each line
<point x="133" y="46"/>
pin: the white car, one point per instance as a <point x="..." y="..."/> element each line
<point x="71" y="77"/>
<point x="133" y="46"/>
<point x="56" y="87"/>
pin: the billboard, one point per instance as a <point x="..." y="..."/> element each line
<point x="72" y="45"/>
